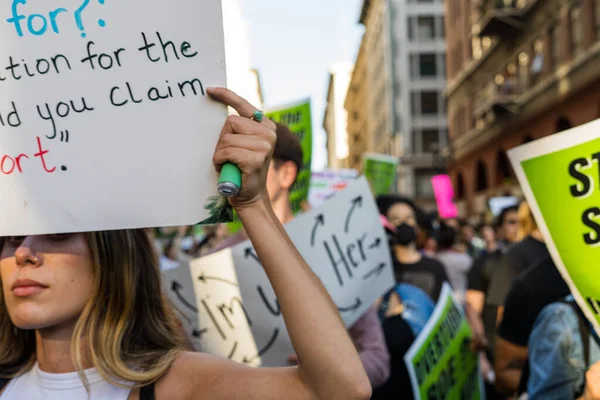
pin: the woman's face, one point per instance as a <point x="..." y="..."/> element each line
<point x="46" y="280"/>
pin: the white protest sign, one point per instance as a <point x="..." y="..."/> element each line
<point x="224" y="321"/>
<point x="344" y="243"/>
<point x="104" y="117"/>
<point x="179" y="288"/>
<point x="324" y="184"/>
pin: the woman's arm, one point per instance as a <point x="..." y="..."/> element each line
<point x="330" y="367"/>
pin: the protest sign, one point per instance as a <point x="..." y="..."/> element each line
<point x="179" y="288"/>
<point x="225" y="322"/>
<point x="444" y="196"/>
<point x="324" y="184"/>
<point x="380" y="170"/>
<point x="298" y="118"/>
<point x="440" y="362"/>
<point x="498" y="204"/>
<point x="104" y="117"/>
<point x="344" y="243"/>
<point x="560" y="180"/>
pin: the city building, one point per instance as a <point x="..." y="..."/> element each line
<point x="241" y="77"/>
<point x="335" y="120"/>
<point x="360" y="135"/>
<point x="518" y="70"/>
<point x="405" y="57"/>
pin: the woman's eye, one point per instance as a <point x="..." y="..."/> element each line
<point x="59" y="237"/>
<point x="14" y="240"/>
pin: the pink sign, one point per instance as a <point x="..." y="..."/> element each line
<point x="444" y="194"/>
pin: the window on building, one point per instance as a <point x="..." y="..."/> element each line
<point x="482" y="181"/>
<point x="576" y="30"/>
<point x="430" y="139"/>
<point x="427" y="65"/>
<point x="503" y="169"/>
<point x="460" y="186"/>
<point x="423" y="186"/>
<point x="428" y="102"/>
<point x="426" y="28"/>
<point x="442" y="27"/>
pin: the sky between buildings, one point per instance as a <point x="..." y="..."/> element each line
<point x="293" y="43"/>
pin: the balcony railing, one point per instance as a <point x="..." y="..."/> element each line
<point x="500" y="97"/>
<point x="504" y="18"/>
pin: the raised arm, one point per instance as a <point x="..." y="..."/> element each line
<point x="330" y="367"/>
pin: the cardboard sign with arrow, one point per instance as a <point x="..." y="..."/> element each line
<point x="178" y="286"/>
<point x="344" y="243"/>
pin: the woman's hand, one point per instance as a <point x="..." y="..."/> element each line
<point x="248" y="144"/>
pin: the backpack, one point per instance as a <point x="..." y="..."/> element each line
<point x="584" y="332"/>
<point x="418" y="306"/>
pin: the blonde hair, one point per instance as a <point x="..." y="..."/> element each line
<point x="129" y="329"/>
<point x="527" y="224"/>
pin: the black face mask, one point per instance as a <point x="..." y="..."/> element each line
<point x="405" y="234"/>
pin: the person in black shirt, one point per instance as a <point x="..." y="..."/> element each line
<point x="410" y="265"/>
<point x="534" y="289"/>
<point x="509" y="358"/>
<point x="483" y="322"/>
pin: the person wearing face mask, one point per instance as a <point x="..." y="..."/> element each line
<point x="410" y="265"/>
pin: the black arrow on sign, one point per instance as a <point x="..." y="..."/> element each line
<point x="356" y="202"/>
<point x="320" y="220"/>
<point x="203" y="278"/>
<point x="176" y="287"/>
<point x="250" y="254"/>
<point x="353" y="307"/>
<point x="375" y="272"/>
<point x="270" y="343"/>
<point x="232" y="352"/>
<point x="376" y="244"/>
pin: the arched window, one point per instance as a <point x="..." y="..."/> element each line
<point x="503" y="169"/>
<point x="460" y="186"/>
<point x="563" y="124"/>
<point x="482" y="183"/>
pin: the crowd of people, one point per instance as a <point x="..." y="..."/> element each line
<point x="531" y="338"/>
<point x="500" y="270"/>
<point x="70" y="322"/>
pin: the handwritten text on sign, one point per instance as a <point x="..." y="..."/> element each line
<point x="345" y="245"/>
<point x="96" y="98"/>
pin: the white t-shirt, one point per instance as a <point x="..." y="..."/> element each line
<point x="39" y="385"/>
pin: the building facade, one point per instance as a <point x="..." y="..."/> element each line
<point x="398" y="83"/>
<point x="335" y="121"/>
<point x="518" y="70"/>
<point x="419" y="73"/>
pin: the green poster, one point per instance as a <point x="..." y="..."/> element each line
<point x="298" y="118"/>
<point x="440" y="362"/>
<point x="560" y="178"/>
<point x="380" y="170"/>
